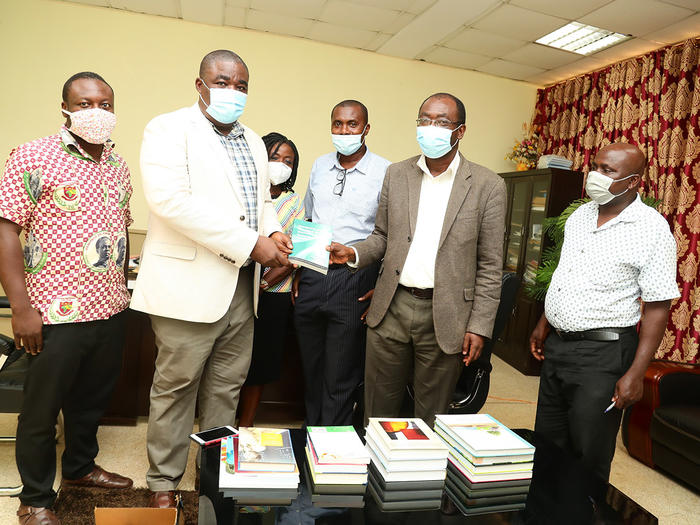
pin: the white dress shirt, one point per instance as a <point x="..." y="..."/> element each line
<point x="419" y="268"/>
<point x="605" y="271"/>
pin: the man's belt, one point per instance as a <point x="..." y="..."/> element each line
<point x="598" y="334"/>
<point x="418" y="293"/>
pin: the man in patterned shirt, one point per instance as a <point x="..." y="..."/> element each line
<point x="617" y="253"/>
<point x="62" y="191"/>
<point x="212" y="221"/>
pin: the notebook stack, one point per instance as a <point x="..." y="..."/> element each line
<point x="554" y="161"/>
<point x="259" y="467"/>
<point x="336" y="466"/>
<point x="489" y="467"/>
<point x="407" y="471"/>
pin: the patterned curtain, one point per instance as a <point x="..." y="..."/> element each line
<point x="653" y="102"/>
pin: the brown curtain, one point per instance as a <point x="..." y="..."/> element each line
<point x="652" y="101"/>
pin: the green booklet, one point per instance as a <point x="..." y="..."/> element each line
<point x="310" y="240"/>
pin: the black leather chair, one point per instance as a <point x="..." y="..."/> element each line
<point x="12" y="374"/>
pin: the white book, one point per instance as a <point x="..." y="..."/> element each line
<point x="406" y="454"/>
<point x="420" y="475"/>
<point x="337" y="445"/>
<point x="337" y="478"/>
<point x="229" y="479"/>
<point x="405" y="465"/>
<point x="482" y="435"/>
<point x="405" y="434"/>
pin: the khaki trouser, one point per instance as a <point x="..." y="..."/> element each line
<point x="204" y="361"/>
<point x="403" y="348"/>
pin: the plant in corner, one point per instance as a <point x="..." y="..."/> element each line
<point x="553" y="228"/>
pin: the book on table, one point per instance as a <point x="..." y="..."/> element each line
<point x="335" y="478"/>
<point x="487" y="489"/>
<point x="310" y="240"/>
<point x="336" y="449"/>
<point x="476" y="477"/>
<point x="403" y="465"/>
<point x="406" y="434"/>
<point x="405" y="505"/>
<point x="265" y="449"/>
<point x="231" y="477"/>
<point x="484" y="438"/>
<point x="409" y="486"/>
<point x="414" y="475"/>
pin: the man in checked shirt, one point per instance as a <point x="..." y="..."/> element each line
<point x="67" y="310"/>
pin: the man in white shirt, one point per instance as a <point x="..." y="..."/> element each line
<point x="617" y="253"/>
<point x="439" y="231"/>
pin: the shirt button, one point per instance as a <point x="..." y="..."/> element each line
<point x="242" y="217"/>
<point x="409" y="238"/>
<point x="397" y="272"/>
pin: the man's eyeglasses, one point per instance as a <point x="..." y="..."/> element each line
<point x="439" y="122"/>
<point x="340" y="185"/>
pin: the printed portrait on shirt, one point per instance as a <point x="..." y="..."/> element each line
<point x="97" y="251"/>
<point x="33" y="184"/>
<point x="34" y="255"/>
<point x="119" y="251"/>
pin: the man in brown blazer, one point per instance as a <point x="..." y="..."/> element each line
<point x="439" y="229"/>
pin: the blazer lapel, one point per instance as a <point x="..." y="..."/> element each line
<point x="413" y="181"/>
<point x="460" y="189"/>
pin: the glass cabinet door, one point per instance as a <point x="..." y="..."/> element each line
<point x="516" y="227"/>
<point x="533" y="244"/>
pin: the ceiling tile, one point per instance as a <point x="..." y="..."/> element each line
<point x="483" y="43"/>
<point x="693" y="5"/>
<point x="541" y="56"/>
<point x="401" y="21"/>
<point x="296" y="8"/>
<point x="357" y="16"/>
<point x="234" y="16"/>
<point x="504" y="68"/>
<point x="203" y="11"/>
<point x="450" y="57"/>
<point x="569" y="9"/>
<point x="276" y="23"/>
<point x="418" y="6"/>
<point x="635" y="17"/>
<point x="102" y="3"/>
<point x="630" y="48"/>
<point x="396" y="5"/>
<point x="543" y="79"/>
<point x="433" y="25"/>
<point x="344" y="36"/>
<point x="153" y="7"/>
<point x="377" y="41"/>
<point x="519" y="23"/>
<point x="238" y="3"/>
<point x="688" y="28"/>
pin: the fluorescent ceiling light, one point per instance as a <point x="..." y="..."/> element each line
<point x="581" y="39"/>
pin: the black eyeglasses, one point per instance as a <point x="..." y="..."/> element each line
<point x="340" y="185"/>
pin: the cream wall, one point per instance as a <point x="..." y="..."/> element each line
<point x="152" y="63"/>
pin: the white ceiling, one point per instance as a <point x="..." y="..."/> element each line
<point x="492" y="36"/>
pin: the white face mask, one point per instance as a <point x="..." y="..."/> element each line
<point x="598" y="187"/>
<point x="279" y="172"/>
<point x="94" y="125"/>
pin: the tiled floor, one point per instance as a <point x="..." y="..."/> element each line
<point x="512" y="401"/>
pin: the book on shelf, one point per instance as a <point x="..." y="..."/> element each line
<point x="405" y="434"/>
<point x="404" y="465"/>
<point x="310" y="240"/>
<point x="335" y="478"/>
<point x="483" y="436"/>
<point x="418" y="475"/>
<point x="265" y="449"/>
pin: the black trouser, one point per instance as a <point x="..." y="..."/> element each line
<point x="577" y="383"/>
<point x="75" y="372"/>
<point x="332" y="340"/>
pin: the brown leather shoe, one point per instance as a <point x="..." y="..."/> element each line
<point x="99" y="477"/>
<point x="36" y="516"/>
<point x="163" y="499"/>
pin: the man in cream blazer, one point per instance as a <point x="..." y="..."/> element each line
<point x="211" y="221"/>
<point x="439" y="231"/>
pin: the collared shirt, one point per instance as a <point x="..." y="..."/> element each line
<point x="350" y="215"/>
<point x="604" y="271"/>
<point x="419" y="268"/>
<point x="74" y="211"/>
<point x="242" y="159"/>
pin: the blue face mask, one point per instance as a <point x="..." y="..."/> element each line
<point x="434" y="142"/>
<point x="225" y="105"/>
<point x="347" y="144"/>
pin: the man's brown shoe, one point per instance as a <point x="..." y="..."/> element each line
<point x="163" y="499"/>
<point x="101" y="478"/>
<point x="36" y="516"/>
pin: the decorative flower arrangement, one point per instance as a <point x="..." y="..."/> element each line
<point x="525" y="153"/>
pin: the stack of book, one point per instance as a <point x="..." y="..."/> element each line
<point x="554" y="161"/>
<point x="258" y="467"/>
<point x="407" y="471"/>
<point x="336" y="466"/>
<point x="489" y="467"/>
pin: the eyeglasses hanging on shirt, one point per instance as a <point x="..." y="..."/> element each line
<point x="340" y="185"/>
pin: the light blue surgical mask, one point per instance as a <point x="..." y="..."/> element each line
<point x="348" y="144"/>
<point x="434" y="141"/>
<point x="225" y="105"/>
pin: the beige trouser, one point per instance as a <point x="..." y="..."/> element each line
<point x="403" y="349"/>
<point x="204" y="361"/>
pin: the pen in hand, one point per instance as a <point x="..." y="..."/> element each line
<point x="609" y="408"/>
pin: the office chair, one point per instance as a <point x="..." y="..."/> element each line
<point x="12" y="373"/>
